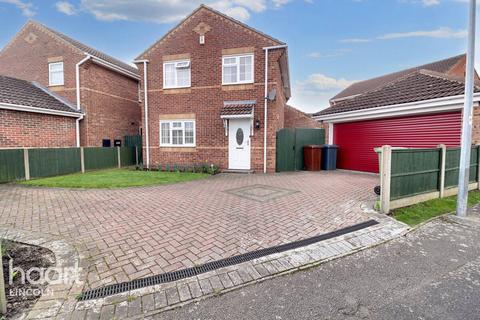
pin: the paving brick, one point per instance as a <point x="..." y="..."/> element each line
<point x="195" y="289"/>
<point x="148" y="303"/>
<point x="107" y="312"/>
<point x="170" y="235"/>
<point x="160" y="299"/>
<point x="172" y="295"/>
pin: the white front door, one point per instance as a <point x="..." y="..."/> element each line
<point x="239" y="144"/>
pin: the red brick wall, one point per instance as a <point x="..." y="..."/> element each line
<point x="295" y="118"/>
<point x="111" y="105"/>
<point x="206" y="95"/>
<point x="28" y="129"/>
<point x="29" y="60"/>
<point x="109" y="99"/>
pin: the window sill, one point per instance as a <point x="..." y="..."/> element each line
<point x="178" y="149"/>
<point x="56" y="87"/>
<point x="242" y="86"/>
<point x="177" y="90"/>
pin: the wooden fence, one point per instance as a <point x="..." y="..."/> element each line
<point x="30" y="163"/>
<point x="289" y="146"/>
<point x="409" y="176"/>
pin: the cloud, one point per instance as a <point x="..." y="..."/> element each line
<point x="168" y="11"/>
<point x="313" y="93"/>
<point x="355" y="40"/>
<point x="429" y="3"/>
<point x="442" y="32"/>
<point x="333" y="54"/>
<point x="66" y="8"/>
<point x="27" y="8"/>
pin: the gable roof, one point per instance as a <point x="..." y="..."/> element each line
<point x="417" y="86"/>
<point x="23" y="93"/>
<point x="83" y="48"/>
<point x="441" y="66"/>
<point x="211" y="10"/>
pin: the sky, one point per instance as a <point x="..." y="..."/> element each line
<point x="332" y="43"/>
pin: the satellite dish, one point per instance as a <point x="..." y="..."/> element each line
<point x="272" y="95"/>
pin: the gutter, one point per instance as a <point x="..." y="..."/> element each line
<point x="145" y="103"/>
<point x="77" y="77"/>
<point x="425" y="106"/>
<point x="265" y="110"/>
<point x="115" y="68"/>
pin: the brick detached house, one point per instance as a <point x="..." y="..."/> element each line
<point x="103" y="88"/>
<point x="32" y="116"/>
<point x="419" y="107"/>
<point x="204" y="94"/>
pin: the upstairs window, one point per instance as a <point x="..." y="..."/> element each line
<point x="55" y="74"/>
<point x="177" y="133"/>
<point x="176" y="74"/>
<point x="237" y="69"/>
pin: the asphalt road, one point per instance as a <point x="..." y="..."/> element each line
<point x="431" y="273"/>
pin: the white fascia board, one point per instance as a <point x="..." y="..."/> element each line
<point x="17" y="107"/>
<point x="238" y="116"/>
<point x="115" y="68"/>
<point x="425" y="106"/>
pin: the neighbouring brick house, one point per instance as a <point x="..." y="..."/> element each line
<point x="419" y="107"/>
<point x="102" y="87"/>
<point x="205" y="94"/>
<point x="32" y="116"/>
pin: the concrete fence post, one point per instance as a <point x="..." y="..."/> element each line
<point x="82" y="159"/>
<point x="136" y="155"/>
<point x="26" y="164"/>
<point x="3" y="298"/>
<point x="443" y="157"/>
<point x="119" y="159"/>
<point x="385" y="179"/>
<point x="478" y="166"/>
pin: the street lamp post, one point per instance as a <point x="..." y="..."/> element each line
<point x="464" y="172"/>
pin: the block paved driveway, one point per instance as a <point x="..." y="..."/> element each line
<point x="136" y="232"/>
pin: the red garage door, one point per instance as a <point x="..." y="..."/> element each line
<point x="356" y="140"/>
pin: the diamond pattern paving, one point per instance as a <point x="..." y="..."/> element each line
<point x="137" y="232"/>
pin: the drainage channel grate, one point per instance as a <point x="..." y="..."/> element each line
<point x="213" y="265"/>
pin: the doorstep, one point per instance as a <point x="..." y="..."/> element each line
<point x="238" y="171"/>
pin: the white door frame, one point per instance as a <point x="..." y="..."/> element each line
<point x="239" y="155"/>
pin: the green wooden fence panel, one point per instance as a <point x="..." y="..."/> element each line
<point x="452" y="163"/>
<point x="100" y="158"/>
<point x="414" y="171"/>
<point x="127" y="156"/>
<point x="11" y="165"/>
<point x="305" y="137"/>
<point x="53" y="162"/>
<point x="285" y="150"/>
<point x="132" y="141"/>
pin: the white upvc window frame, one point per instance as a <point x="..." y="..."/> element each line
<point x="52" y="64"/>
<point x="177" y="64"/>
<point x="182" y="128"/>
<point x="237" y="63"/>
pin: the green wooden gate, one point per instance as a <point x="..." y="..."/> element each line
<point x="135" y="141"/>
<point x="290" y="143"/>
<point x="285" y="151"/>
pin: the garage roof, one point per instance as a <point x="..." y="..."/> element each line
<point x="361" y="87"/>
<point x="417" y="86"/>
<point x="30" y="94"/>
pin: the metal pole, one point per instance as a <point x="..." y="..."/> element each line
<point x="3" y="299"/>
<point x="463" y="176"/>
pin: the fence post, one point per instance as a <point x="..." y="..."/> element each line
<point x="3" y="299"/>
<point x="119" y="158"/>
<point x="478" y="166"/>
<point x="136" y="155"/>
<point x="26" y="164"/>
<point x="82" y="159"/>
<point x="385" y="179"/>
<point x="443" y="157"/>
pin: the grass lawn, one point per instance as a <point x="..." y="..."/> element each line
<point x="421" y="212"/>
<point x="114" y="178"/>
